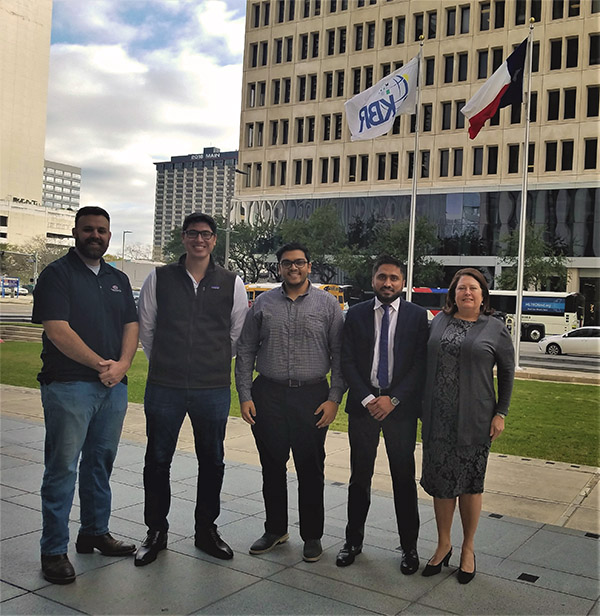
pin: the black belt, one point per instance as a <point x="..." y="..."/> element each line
<point x="377" y="391"/>
<point x="293" y="382"/>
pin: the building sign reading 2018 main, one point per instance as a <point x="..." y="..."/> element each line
<point x="381" y="110"/>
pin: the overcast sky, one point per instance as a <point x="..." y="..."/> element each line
<point x="134" y="82"/>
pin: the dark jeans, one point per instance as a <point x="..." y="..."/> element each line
<point x="399" y="434"/>
<point x="285" y="420"/>
<point x="165" y="409"/>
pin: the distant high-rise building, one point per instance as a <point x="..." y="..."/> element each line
<point x="62" y="185"/>
<point x="193" y="183"/>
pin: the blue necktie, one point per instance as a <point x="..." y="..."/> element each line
<point x="382" y="368"/>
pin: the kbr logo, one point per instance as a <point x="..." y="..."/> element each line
<point x="377" y="112"/>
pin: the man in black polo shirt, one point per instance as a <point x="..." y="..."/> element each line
<point x="89" y="340"/>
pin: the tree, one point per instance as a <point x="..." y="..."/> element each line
<point x="250" y="248"/>
<point x="392" y="239"/>
<point x="545" y="266"/>
<point x="324" y="237"/>
<point x="22" y="266"/>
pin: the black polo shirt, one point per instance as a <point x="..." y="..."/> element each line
<point x="96" y="307"/>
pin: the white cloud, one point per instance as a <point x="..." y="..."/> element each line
<point x="122" y="97"/>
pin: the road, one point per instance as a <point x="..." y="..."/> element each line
<point x="531" y="356"/>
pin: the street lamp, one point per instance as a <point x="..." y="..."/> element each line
<point x="123" y="249"/>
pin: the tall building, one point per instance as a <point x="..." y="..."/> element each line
<point x="62" y="185"/>
<point x="304" y="58"/>
<point x="185" y="184"/>
<point x="24" y="62"/>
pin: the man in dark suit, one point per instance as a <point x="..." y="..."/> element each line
<point x="383" y="361"/>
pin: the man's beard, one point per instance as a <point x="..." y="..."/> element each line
<point x="91" y="249"/>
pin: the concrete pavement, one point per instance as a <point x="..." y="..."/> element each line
<point x="537" y="544"/>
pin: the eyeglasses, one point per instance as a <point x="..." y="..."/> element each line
<point x="299" y="263"/>
<point x="192" y="234"/>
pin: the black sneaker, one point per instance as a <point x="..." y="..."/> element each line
<point x="312" y="550"/>
<point x="267" y="542"/>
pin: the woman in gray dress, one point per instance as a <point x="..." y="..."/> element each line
<point x="461" y="415"/>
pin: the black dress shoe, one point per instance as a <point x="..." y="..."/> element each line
<point x="155" y="541"/>
<point x="410" y="561"/>
<point x="209" y="541"/>
<point x="464" y="577"/>
<point x="347" y="554"/>
<point x="267" y="542"/>
<point x="58" y="569"/>
<point x="105" y="544"/>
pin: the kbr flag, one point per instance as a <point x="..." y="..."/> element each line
<point x="371" y="113"/>
<point x="503" y="88"/>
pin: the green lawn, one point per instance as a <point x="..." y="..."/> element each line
<point x="551" y="421"/>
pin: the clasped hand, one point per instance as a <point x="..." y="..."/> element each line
<point x="380" y="407"/>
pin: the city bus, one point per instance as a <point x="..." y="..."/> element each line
<point x="542" y="312"/>
<point x="340" y="291"/>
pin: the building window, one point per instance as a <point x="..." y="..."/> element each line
<point x="282" y="172"/>
<point x="358" y="37"/>
<point x="251" y="94"/>
<point x="308" y="166"/>
<point x="566" y="161"/>
<point x="351" y="168"/>
<point x="411" y="164"/>
<point x="431" y="24"/>
<point x="342" y="40"/>
<point x="463" y="60"/>
<point x="368" y="76"/>
<point x="339" y="75"/>
<point x="337" y="121"/>
<point x="444" y="163"/>
<point x="492" y="167"/>
<point x="262" y="93"/>
<point x="302" y="88"/>
<point x="513" y="159"/>
<point x="465" y="17"/>
<point x="593" y="100"/>
<point x="328" y="85"/>
<point x="258" y="174"/>
<point x="497" y="54"/>
<point x="536" y="10"/>
<point x="591" y="153"/>
<point x="484" y="16"/>
<point x="260" y="126"/>
<point x="572" y="52"/>
<point x="533" y="107"/>
<point x="418" y="26"/>
<point x="553" y="104"/>
<point x="478" y="161"/>
<point x="570" y="98"/>
<point x="285" y="131"/>
<point x="326" y="122"/>
<point x="264" y="53"/>
<point x="400" y="30"/>
<point x="355" y="80"/>
<point x="482" y="64"/>
<point x="531" y="158"/>
<point x="274" y="131"/>
<point x="393" y="165"/>
<point x="458" y="162"/>
<point x="429" y="71"/>
<point x="427" y="117"/>
<point x="381" y="166"/>
<point x="520" y="12"/>
<point x="446" y="116"/>
<point x="515" y="113"/>
<point x="535" y="59"/>
<point x="278" y="51"/>
<point x="313" y="87"/>
<point x="330" y="42"/>
<point x="551" y="151"/>
<point x="460" y="118"/>
<point x="425" y="159"/>
<point x="448" y="69"/>
<point x="324" y="170"/>
<point x="254" y="55"/>
<point x="272" y="173"/>
<point x="388" y="32"/>
<point x="280" y="11"/>
<point x="250" y="135"/>
<point x="499" y="14"/>
<point x="315" y="44"/>
<point x="336" y="169"/>
<point x="297" y="172"/>
<point x="558" y="9"/>
<point x="555" y="54"/>
<point x="287" y="90"/>
<point x="310" y="131"/>
<point x="306" y="11"/>
<point x="255" y="15"/>
<point x="364" y="167"/>
<point x="370" y="35"/>
<point x="574" y="8"/>
<point x="594" y="49"/>
<point x="299" y="130"/>
<point x="451" y="21"/>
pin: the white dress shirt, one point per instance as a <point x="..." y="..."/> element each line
<point x="378" y="316"/>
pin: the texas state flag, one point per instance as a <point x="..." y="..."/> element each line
<point x="503" y="88"/>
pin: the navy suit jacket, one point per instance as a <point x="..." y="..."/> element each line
<point x="410" y="355"/>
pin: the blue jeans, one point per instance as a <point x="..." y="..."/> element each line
<point x="165" y="409"/>
<point x="82" y="419"/>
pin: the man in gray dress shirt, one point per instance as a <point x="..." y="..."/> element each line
<point x="293" y="333"/>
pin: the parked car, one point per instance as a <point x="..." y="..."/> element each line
<point x="23" y="291"/>
<point x="580" y="341"/>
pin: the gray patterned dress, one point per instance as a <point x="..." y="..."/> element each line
<point x="450" y="470"/>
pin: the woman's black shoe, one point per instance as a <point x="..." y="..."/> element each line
<point x="435" y="569"/>
<point x="464" y="577"/>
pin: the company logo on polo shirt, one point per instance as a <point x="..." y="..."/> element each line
<point x="215" y="287"/>
<point x="115" y="289"/>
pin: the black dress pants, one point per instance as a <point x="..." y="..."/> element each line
<point x="285" y="420"/>
<point x="399" y="433"/>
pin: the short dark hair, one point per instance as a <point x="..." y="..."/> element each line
<point x="451" y="308"/>
<point x="195" y="217"/>
<point x="387" y="260"/>
<point x="292" y="246"/>
<point x="91" y="210"/>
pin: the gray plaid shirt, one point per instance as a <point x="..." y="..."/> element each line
<point x="298" y="340"/>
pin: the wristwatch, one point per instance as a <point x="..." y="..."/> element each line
<point x="394" y="401"/>
<point x="503" y="415"/>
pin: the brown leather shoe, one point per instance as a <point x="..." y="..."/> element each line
<point x="105" y="544"/>
<point x="57" y="569"/>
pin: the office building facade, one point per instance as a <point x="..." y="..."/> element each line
<point x="304" y="58"/>
<point x="62" y="186"/>
<point x="201" y="182"/>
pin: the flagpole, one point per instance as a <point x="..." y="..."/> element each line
<point x="523" y="217"/>
<point x="413" y="198"/>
